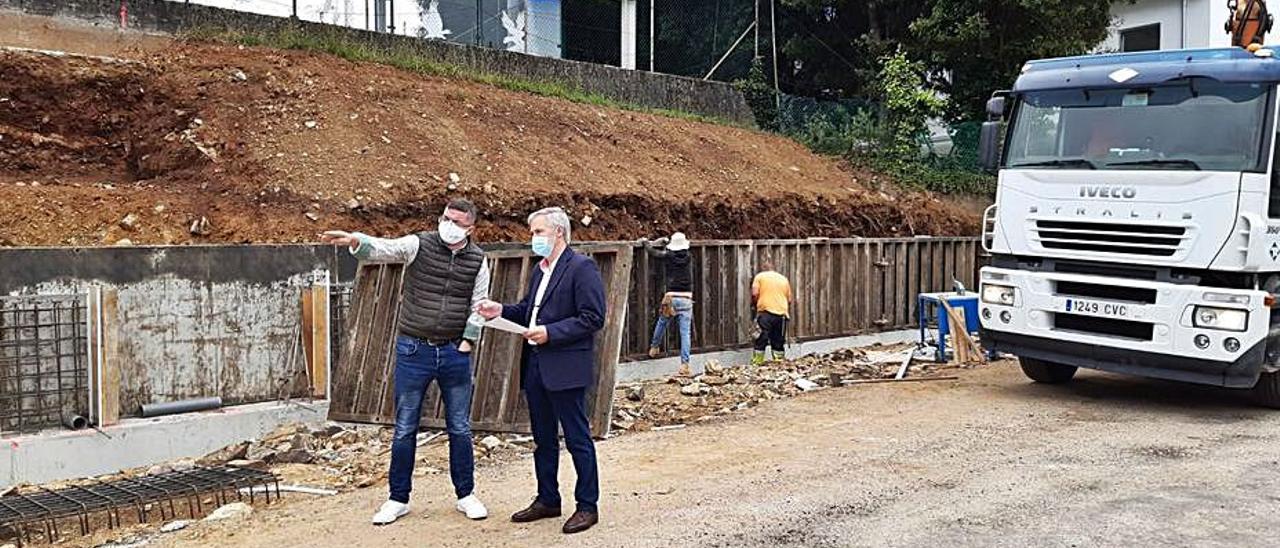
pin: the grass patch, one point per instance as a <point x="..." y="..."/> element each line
<point x="402" y="57"/>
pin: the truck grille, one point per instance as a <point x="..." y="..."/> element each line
<point x="1126" y="239"/>
<point x="1138" y="331"/>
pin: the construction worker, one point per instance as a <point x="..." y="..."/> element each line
<point x="677" y="302"/>
<point x="446" y="275"/>
<point x="771" y="295"/>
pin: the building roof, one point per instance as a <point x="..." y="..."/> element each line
<point x="1148" y="68"/>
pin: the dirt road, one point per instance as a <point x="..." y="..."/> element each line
<point x="988" y="460"/>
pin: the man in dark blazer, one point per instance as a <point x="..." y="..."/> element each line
<point x="564" y="307"/>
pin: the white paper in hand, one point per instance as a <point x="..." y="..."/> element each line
<point x="502" y="324"/>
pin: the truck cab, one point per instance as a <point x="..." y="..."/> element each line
<point x="1136" y="227"/>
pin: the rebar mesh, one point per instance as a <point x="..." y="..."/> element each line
<point x="44" y="363"/>
<point x="339" y="304"/>
<point x="163" y="494"/>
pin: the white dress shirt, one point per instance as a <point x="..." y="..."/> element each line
<point x="547" y="270"/>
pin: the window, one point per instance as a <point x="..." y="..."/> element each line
<point x="1147" y="127"/>
<point x="1146" y="38"/>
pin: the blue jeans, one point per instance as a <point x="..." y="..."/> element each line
<point x="549" y="412"/>
<point x="684" y="318"/>
<point x="417" y="364"/>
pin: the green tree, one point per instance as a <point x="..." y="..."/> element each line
<point x="974" y="47"/>
<point x="760" y="96"/>
<point x="907" y="105"/>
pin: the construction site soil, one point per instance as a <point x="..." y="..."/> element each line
<point x="174" y="142"/>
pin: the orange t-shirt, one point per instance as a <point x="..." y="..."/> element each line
<point x="773" y="293"/>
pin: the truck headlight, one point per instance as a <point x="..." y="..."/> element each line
<point x="1226" y="319"/>
<point x="999" y="294"/>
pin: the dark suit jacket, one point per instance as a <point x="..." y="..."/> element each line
<point x="573" y="310"/>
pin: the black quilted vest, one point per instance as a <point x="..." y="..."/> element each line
<point x="437" y="289"/>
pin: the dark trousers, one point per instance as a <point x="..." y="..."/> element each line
<point x="773" y="332"/>
<point x="568" y="408"/>
<point x="417" y="364"/>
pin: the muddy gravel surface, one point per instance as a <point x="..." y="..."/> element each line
<point x="198" y="142"/>
<point x="989" y="460"/>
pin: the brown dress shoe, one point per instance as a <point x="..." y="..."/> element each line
<point x="580" y="521"/>
<point x="535" y="512"/>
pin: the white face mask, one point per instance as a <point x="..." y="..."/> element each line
<point x="451" y="233"/>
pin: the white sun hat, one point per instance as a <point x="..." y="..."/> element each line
<point x="678" y="242"/>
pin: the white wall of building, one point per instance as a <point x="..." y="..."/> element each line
<point x="1183" y="23"/>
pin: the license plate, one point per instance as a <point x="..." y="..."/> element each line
<point x="1097" y="308"/>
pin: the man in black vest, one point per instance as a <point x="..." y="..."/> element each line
<point x="446" y="277"/>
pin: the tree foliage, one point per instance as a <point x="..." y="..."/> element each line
<point x="970" y="47"/>
<point x="907" y="104"/>
<point x="975" y="47"/>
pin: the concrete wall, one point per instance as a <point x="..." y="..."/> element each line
<point x="646" y="89"/>
<point x="1183" y="24"/>
<point x="191" y="321"/>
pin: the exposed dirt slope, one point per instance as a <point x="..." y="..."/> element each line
<point x="250" y="144"/>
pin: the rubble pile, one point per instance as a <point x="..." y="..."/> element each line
<point x="721" y="390"/>
<point x="332" y="455"/>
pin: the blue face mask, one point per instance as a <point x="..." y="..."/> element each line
<point x="542" y="246"/>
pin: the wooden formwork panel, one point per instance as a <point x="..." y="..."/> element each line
<point x="842" y="286"/>
<point x="363" y="380"/>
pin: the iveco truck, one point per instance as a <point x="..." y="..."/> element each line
<point x="1136" y="227"/>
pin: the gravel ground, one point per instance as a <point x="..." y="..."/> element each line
<point x="990" y="460"/>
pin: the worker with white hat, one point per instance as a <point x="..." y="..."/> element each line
<point x="677" y="302"/>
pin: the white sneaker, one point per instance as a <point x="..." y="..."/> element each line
<point x="390" y="511"/>
<point x="472" y="507"/>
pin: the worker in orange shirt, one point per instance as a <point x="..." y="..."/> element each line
<point x="771" y="294"/>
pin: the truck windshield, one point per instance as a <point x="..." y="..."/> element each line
<point x="1189" y="124"/>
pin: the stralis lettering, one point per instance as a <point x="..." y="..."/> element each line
<point x="1121" y="192"/>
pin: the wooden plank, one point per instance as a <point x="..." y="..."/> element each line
<point x="906" y="379"/>
<point x="389" y="316"/>
<point x="726" y="331"/>
<point x="913" y="281"/>
<point x="878" y="279"/>
<point x="967" y="349"/>
<point x="111" y="377"/>
<point x="902" y="289"/>
<point x="701" y="319"/>
<point x="743" y="272"/>
<point x="308" y="336"/>
<point x="939" y="279"/>
<point x="364" y="303"/>
<point x="93" y="308"/>
<point x="320" y="359"/>
<point x="861" y="288"/>
<point x="609" y="342"/>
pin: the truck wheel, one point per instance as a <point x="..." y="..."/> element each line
<point x="1267" y="392"/>
<point x="1046" y="372"/>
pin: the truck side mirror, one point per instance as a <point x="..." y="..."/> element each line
<point x="995" y="108"/>
<point x="989" y="146"/>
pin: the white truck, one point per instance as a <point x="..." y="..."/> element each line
<point x="1136" y="227"/>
